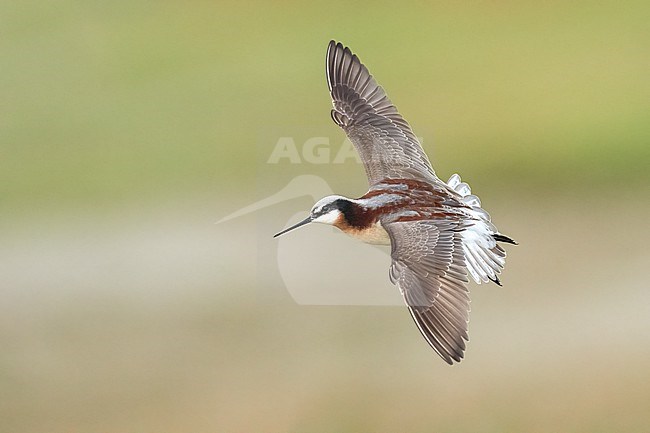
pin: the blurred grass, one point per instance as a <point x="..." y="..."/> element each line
<point x="108" y="103"/>
<point x="126" y="128"/>
<point x="157" y="325"/>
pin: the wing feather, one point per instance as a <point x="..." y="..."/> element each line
<point x="429" y="269"/>
<point x="385" y="142"/>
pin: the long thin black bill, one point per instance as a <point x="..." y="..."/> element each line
<point x="295" y="226"/>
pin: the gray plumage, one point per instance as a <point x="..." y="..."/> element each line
<point x="439" y="239"/>
<point x="385" y="142"/>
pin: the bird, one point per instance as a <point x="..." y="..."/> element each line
<point x="438" y="233"/>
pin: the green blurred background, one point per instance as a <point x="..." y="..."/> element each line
<point x="128" y="128"/>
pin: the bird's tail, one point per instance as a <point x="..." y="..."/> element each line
<point x="483" y="256"/>
<point x="503" y="238"/>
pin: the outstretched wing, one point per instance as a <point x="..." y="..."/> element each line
<point x="384" y="140"/>
<point x="429" y="269"/>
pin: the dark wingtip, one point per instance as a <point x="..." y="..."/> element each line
<point x="333" y="44"/>
<point x="455" y="359"/>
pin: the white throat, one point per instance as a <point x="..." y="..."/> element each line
<point x="328" y="218"/>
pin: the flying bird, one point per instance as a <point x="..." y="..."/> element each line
<point x="438" y="232"/>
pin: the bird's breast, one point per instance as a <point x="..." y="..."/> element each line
<point x="372" y="234"/>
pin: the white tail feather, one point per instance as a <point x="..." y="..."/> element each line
<point x="483" y="256"/>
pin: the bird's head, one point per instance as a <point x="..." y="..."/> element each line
<point x="326" y="211"/>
